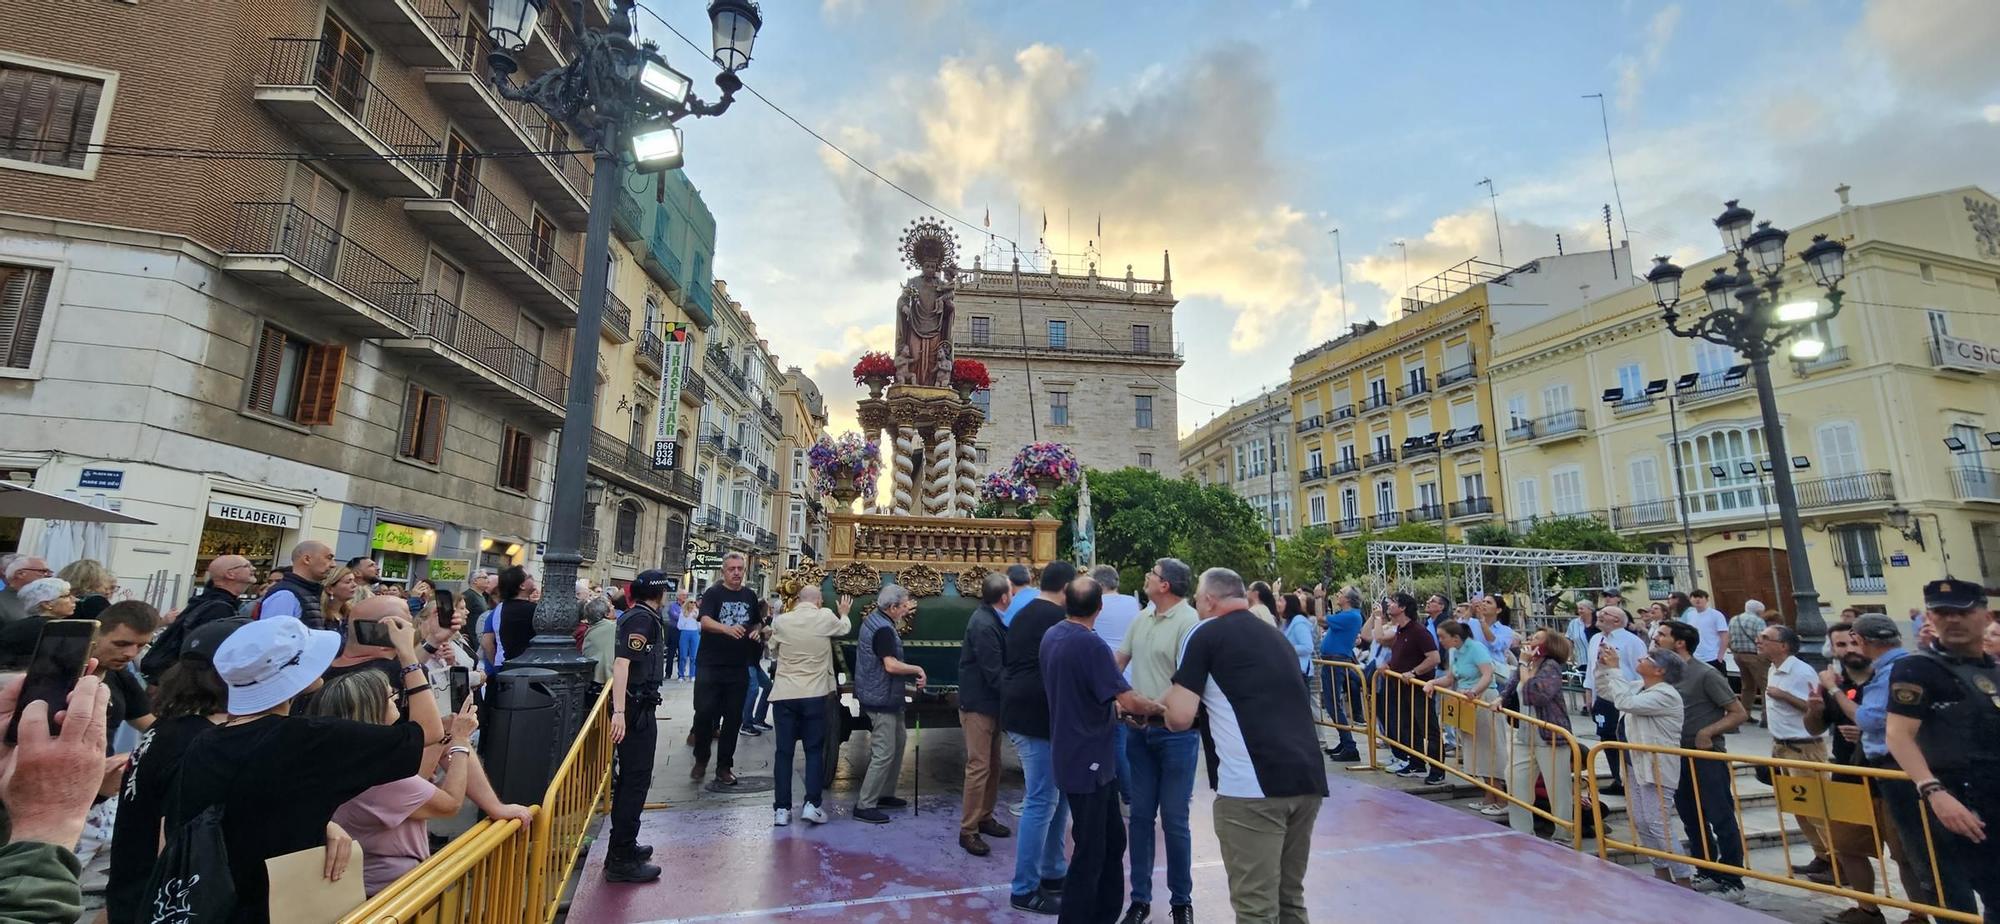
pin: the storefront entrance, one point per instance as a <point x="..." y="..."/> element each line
<point x="256" y="530"/>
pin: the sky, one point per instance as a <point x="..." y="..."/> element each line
<point x="1237" y="135"/>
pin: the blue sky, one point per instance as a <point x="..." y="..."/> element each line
<point x="1237" y="134"/>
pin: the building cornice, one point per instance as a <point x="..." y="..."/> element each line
<point x="1395" y="347"/>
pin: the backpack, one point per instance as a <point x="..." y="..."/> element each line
<point x="191" y="882"/>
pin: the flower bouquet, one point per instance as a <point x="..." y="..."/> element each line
<point x="1002" y="489"/>
<point x="874" y="370"/>
<point x="968" y="376"/>
<point x="1046" y="465"/>
<point x="846" y="467"/>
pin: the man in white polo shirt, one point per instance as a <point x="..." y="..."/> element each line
<point x="1792" y="700"/>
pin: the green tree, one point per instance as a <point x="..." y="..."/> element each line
<point x="1141" y="517"/>
<point x="1582" y="534"/>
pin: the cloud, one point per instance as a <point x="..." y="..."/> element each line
<point x="1633" y="71"/>
<point x="1937" y="47"/>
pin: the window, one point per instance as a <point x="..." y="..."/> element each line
<point x="795" y="521"/>
<point x="982" y="330"/>
<point x="1347" y="453"/>
<point x="1555" y="398"/>
<point x="542" y="241"/>
<point x="461" y="170"/>
<point x="1528" y="497"/>
<point x="423" y="430"/>
<point x="1378" y="388"/>
<point x="1309" y="409"/>
<point x="1316" y="509"/>
<point x="295" y="379"/>
<point x="1314" y="460"/>
<point x="1925" y="272"/>
<point x="1257" y="459"/>
<point x="1857" y="550"/>
<point x="341" y="72"/>
<point x="1457" y="355"/>
<point x="1517" y="410"/>
<point x="1472" y="485"/>
<point x="1342" y="398"/>
<point x="1413" y="373"/>
<point x="1350" y="504"/>
<point x="1381" y="443"/>
<point x="24" y="297"/>
<point x="798" y="469"/>
<point x="313" y="238"/>
<point x="1058" y="335"/>
<point x="1712" y="359"/>
<point x="444" y="281"/>
<point x="517" y="459"/>
<point x="983" y="400"/>
<point x="1727" y="448"/>
<point x="1645" y="475"/>
<point x="1385" y="496"/>
<point x="1145" y="460"/>
<point x="53" y="115"/>
<point x="1631" y="380"/>
<point x="1566" y="486"/>
<point x="1142" y="338"/>
<point x="1839" y="449"/>
<point x="625" y="535"/>
<point x="1059" y="408"/>
<point x="1142" y="412"/>
<point x="1420" y="424"/>
<point x="1971" y="461"/>
<point x="1427" y="495"/>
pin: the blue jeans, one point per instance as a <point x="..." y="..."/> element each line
<point x="800" y="721"/>
<point x="757" y="705"/>
<point x="1340" y="695"/>
<point x="1163" y="766"/>
<point x="1119" y="734"/>
<point x="1038" y="850"/>
<point x="690" y="643"/>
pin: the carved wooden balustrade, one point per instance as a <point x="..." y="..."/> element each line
<point x="888" y="541"/>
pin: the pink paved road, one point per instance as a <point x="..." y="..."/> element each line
<point x="1378" y="854"/>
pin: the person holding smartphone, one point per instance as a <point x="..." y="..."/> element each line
<point x="50" y="779"/>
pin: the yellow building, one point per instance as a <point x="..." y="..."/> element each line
<point x="1910" y="361"/>
<point x="1393" y="423"/>
<point x="802" y="531"/>
<point x="1246" y="449"/>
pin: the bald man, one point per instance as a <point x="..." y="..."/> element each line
<point x="298" y="592"/>
<point x="228" y="577"/>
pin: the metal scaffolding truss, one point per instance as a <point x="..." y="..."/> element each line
<point x="1476" y="558"/>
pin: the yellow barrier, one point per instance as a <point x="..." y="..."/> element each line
<point x="1836" y="815"/>
<point x="1501" y="751"/>
<point x="1357" y="707"/>
<point x="507" y="872"/>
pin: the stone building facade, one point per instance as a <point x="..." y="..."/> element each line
<point x="1081" y="359"/>
<point x="802" y="529"/>
<point x="737" y="446"/>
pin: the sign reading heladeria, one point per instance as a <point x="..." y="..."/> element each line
<point x="260" y="514"/>
<point x="1960" y="353"/>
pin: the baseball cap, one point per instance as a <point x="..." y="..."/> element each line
<point x="1877" y="627"/>
<point x="204" y="640"/>
<point x="271" y="660"/>
<point x="649" y="581"/>
<point x="1953" y="594"/>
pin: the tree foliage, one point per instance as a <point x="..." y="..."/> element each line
<point x="1141" y="517"/>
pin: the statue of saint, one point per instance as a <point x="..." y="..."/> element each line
<point x="924" y="310"/>
<point x="1084" y="542"/>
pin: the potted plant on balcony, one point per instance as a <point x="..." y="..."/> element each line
<point x="875" y="370"/>
<point x="1047" y="466"/>
<point x="968" y="376"/>
<point x="846" y="467"/>
<point x="1006" y="492"/>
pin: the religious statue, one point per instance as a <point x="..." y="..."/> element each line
<point x="1084" y="542"/>
<point x="924" y="310"/>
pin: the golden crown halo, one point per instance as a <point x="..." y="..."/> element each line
<point x="928" y="236"/>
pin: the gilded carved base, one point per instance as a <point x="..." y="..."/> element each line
<point x="892" y="543"/>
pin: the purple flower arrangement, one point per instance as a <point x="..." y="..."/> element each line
<point x="1002" y="488"/>
<point x="1046" y="461"/>
<point x="851" y="456"/>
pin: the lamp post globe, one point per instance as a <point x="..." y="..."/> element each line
<point x="1734" y="223"/>
<point x="1666" y="280"/>
<point x="508" y="26"/>
<point x="735" y="24"/>
<point x="1827" y="259"/>
<point x="1767" y="246"/>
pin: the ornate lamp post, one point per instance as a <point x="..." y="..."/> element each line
<point x="621" y="99"/>
<point x="1742" y="311"/>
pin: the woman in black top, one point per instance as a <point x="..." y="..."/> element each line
<point x="517" y="612"/>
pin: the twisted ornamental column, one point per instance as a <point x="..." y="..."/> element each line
<point x="968" y="478"/>
<point x="903" y="494"/>
<point x="939" y="465"/>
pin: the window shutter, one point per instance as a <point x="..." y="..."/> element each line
<point x="32" y="117"/>
<point x="430" y="446"/>
<point x="24" y="292"/>
<point x="13" y="95"/>
<point x="67" y="132"/>
<point x="319" y="384"/>
<point x="413" y="413"/>
<point x="264" y="376"/>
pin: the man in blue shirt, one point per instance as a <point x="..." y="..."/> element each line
<point x="1882" y="641"/>
<point x="1019" y="576"/>
<point x="1340" y="688"/>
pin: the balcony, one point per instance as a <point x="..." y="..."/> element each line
<point x="1876" y="584"/>
<point x="617" y="319"/>
<point x="652" y="352"/>
<point x="1524" y="524"/>
<point x="1555" y="427"/>
<point x="1089" y="344"/>
<point x="693" y="390"/>
<point x="1463" y="374"/>
<point x="1461" y="437"/>
<point x="664" y="266"/>
<point x="1388" y="520"/>
<point x="1312" y="474"/>
<point x="551" y="42"/>
<point x="1976" y="484"/>
<point x="496" y="240"/>
<point x="1645" y="514"/>
<point x="454" y="343"/>
<point x="633" y="466"/>
<point x="712" y="438"/>
<point x="1379" y="458"/>
<point x="1342" y="413"/>
<point x="1471" y="507"/>
<point x="1413" y="388"/>
<point x="305" y="261"/>
<point x="709" y="518"/>
<point x="1346" y="465"/>
<point x="732" y="524"/>
<point x="1843" y="490"/>
<point x="328" y="100"/>
<point x="1713" y="388"/>
<point x="628" y="219"/>
<point x="1430" y="513"/>
<point x="1309" y="424"/>
<point x="423" y="33"/>
<point x="1831" y="358"/>
<point x="1952" y="354"/>
<point x="1376" y="401"/>
<point x="1346" y="527"/>
<point x="1631" y="404"/>
<point x="560" y="182"/>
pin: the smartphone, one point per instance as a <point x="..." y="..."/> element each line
<point x="372" y="632"/>
<point x="60" y="655"/>
<point x="461" y="687"/>
<point x="445" y="603"/>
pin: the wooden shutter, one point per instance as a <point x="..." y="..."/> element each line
<point x="517" y="453"/>
<point x="461" y="170"/>
<point x="319" y="383"/>
<point x="72" y="112"/>
<point x="413" y="412"/>
<point x="264" y="375"/>
<point x="430" y="438"/>
<point x="24" y="294"/>
<point x="31" y="115"/>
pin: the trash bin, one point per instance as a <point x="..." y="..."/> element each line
<point x="518" y="733"/>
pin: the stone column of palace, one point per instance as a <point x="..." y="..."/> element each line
<point x="904" y="492"/>
<point x="939" y="465"/>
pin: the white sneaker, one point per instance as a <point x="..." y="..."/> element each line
<point x="782" y="818"/>
<point x="813" y="814"/>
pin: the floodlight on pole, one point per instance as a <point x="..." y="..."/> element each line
<point x="670" y="85"/>
<point x="656" y="148"/>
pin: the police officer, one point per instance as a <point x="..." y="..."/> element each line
<point x="1944" y="729"/>
<point x="635" y="690"/>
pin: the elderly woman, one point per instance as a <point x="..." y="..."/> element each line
<point x="1653" y="712"/>
<point x="1538" y="691"/>
<point x="600" y="639"/>
<point x="1471" y="678"/>
<point x="48" y="598"/>
<point x="89" y="578"/>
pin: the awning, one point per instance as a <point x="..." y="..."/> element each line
<point x="28" y="503"/>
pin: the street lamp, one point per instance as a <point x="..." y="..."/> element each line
<point x="1911" y="526"/>
<point x="1742" y="314"/>
<point x="1655" y="388"/>
<point x="621" y="98"/>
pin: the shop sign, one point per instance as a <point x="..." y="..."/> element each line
<point x="245" y="512"/>
<point x="109" y="479"/>
<point x="450" y="569"/>
<point x="673" y="371"/>
<point x="1971" y="355"/>
<point x="396" y="537"/>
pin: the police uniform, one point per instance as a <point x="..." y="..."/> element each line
<point x="1957" y="701"/>
<point x="640" y="643"/>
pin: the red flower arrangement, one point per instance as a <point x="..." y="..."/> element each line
<point x="874" y="365"/>
<point x="970" y="373"/>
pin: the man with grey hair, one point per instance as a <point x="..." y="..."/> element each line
<point x="1160" y="761"/>
<point x="1752" y="668"/>
<point x="980" y="663"/>
<point x="1270" y="778"/>
<point x="732" y="619"/>
<point x="1611" y="622"/>
<point x="21" y="571"/>
<point x="879" y="670"/>
<point x="1340" y="688"/>
<point x="1643" y="690"/>
<point x="600" y="639"/>
<point x="803" y="644"/>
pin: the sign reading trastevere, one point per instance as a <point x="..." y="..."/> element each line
<point x="673" y="368"/>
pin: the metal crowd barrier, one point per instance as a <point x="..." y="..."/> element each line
<point x="1342" y="701"/>
<point x="506" y="872"/>
<point x="1839" y="809"/>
